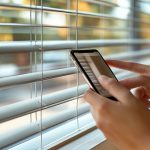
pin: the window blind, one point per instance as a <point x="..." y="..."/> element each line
<point x="40" y="88"/>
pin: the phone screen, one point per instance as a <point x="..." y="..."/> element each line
<point x="93" y="65"/>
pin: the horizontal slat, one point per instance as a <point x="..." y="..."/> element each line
<point x="111" y="4"/>
<point x="51" y="9"/>
<point x="29" y="27"/>
<point x="25" y="46"/>
<point x="35" y="76"/>
<point x="27" y="106"/>
<point x="72" y="12"/>
<point x="102" y="2"/>
<point x="31" y="129"/>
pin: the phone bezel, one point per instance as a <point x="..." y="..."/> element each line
<point x="82" y="69"/>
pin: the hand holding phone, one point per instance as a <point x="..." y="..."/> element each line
<point x="92" y="65"/>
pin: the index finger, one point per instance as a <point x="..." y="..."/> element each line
<point x="130" y="66"/>
<point x="133" y="82"/>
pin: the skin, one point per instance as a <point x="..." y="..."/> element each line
<point x="141" y="82"/>
<point x="126" y="122"/>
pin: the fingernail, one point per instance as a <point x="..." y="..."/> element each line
<point x="103" y="77"/>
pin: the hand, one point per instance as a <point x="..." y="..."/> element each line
<point x="141" y="83"/>
<point x="126" y="122"/>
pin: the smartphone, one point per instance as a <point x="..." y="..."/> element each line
<point x="92" y="65"/>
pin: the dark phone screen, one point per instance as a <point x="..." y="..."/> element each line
<point x="94" y="65"/>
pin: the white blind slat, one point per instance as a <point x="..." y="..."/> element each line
<point x="25" y="46"/>
<point x="29" y="130"/>
<point x="27" y="106"/>
<point x="36" y="76"/>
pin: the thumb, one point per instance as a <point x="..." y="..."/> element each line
<point x="115" y="88"/>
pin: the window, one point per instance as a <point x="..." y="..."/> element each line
<point x="41" y="90"/>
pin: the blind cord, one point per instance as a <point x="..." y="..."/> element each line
<point x="35" y="55"/>
<point x="31" y="53"/>
<point x="41" y="112"/>
<point x="77" y="104"/>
